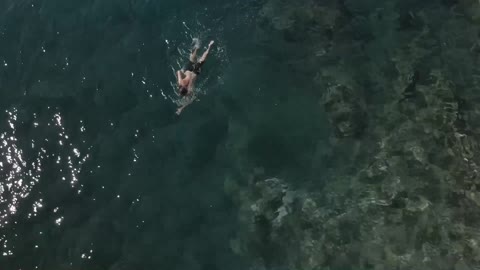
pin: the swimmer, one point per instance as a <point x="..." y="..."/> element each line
<point x="187" y="76"/>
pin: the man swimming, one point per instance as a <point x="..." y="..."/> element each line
<point x="187" y="76"/>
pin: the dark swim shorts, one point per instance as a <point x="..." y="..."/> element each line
<point x="193" y="67"/>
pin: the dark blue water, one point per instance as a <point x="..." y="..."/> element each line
<point x="325" y="135"/>
<point x="97" y="170"/>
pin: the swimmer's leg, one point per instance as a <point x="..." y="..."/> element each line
<point x="196" y="46"/>
<point x="193" y="55"/>
<point x="205" y="54"/>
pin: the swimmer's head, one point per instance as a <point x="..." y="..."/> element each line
<point x="183" y="91"/>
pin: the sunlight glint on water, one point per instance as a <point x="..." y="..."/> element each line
<point x="22" y="175"/>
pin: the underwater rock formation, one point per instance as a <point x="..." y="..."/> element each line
<point x="412" y="200"/>
<point x="301" y="15"/>
<point x="276" y="221"/>
<point x="412" y="205"/>
<point x="345" y="111"/>
<point x="471" y="8"/>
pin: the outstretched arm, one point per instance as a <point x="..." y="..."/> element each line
<point x="188" y="101"/>
<point x="180" y="109"/>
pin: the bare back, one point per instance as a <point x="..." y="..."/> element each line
<point x="188" y="81"/>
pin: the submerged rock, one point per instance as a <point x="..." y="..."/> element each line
<point x="345" y="111"/>
<point x="471" y="9"/>
<point x="408" y="199"/>
<point x="277" y="219"/>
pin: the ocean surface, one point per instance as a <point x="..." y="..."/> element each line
<point x="97" y="170"/>
<point x="364" y="109"/>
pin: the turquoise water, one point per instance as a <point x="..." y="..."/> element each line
<point x="326" y="135"/>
